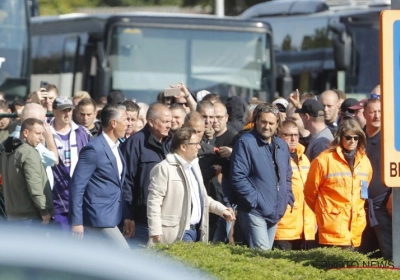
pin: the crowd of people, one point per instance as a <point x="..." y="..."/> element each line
<point x="292" y="174"/>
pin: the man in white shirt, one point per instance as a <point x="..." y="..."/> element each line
<point x="178" y="204"/>
<point x="69" y="139"/>
<point x="96" y="201"/>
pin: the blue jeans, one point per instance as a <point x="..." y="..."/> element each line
<point x="383" y="232"/>
<point x="223" y="229"/>
<point x="220" y="234"/>
<point x="141" y="236"/>
<point x="190" y="235"/>
<point x="258" y="232"/>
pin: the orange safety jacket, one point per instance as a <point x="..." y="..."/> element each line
<point x="300" y="222"/>
<point x="333" y="192"/>
<point x="249" y="126"/>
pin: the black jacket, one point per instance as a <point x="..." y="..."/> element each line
<point x="141" y="152"/>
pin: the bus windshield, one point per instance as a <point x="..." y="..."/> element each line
<point x="144" y="61"/>
<point x="14" y="47"/>
<point x="364" y="74"/>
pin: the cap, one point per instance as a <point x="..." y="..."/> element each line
<point x="200" y="95"/>
<point x="347" y="104"/>
<point x="359" y="105"/>
<point x="312" y="107"/>
<point x="62" y="103"/>
<point x="281" y="101"/>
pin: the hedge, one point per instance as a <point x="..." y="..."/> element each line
<point x="235" y="262"/>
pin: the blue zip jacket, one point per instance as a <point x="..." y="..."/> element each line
<point x="141" y="153"/>
<point x="260" y="189"/>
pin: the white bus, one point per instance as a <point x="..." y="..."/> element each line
<point x="141" y="54"/>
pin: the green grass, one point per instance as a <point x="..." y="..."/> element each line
<point x="235" y="262"/>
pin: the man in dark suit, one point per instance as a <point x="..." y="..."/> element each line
<point x="96" y="202"/>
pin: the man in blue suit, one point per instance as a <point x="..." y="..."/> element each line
<point x="96" y="202"/>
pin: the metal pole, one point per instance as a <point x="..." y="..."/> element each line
<point x="396" y="197"/>
<point x="220" y="8"/>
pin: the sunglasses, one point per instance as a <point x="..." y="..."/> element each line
<point x="270" y="109"/>
<point x="375" y="96"/>
<point x="349" y="137"/>
<point x="182" y="104"/>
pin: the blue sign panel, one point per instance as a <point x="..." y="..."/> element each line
<point x="396" y="77"/>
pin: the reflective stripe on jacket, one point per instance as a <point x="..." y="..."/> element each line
<point x="334" y="194"/>
<point x="299" y="223"/>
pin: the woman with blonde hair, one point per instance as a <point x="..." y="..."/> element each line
<point x="337" y="187"/>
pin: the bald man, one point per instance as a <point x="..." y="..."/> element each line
<point x="330" y="100"/>
<point x="376" y="92"/>
<point x="224" y="137"/>
<point x="47" y="150"/>
<point x="142" y="151"/>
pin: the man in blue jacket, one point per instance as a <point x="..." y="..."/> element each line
<point x="142" y="151"/>
<point x="261" y="177"/>
<point x="96" y="200"/>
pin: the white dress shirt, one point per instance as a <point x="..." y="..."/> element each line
<point x="195" y="217"/>
<point x="114" y="149"/>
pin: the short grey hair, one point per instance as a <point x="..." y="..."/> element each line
<point x="154" y="111"/>
<point x="110" y="112"/>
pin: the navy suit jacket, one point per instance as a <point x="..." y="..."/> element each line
<point x="95" y="189"/>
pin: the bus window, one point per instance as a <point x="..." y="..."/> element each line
<point x="70" y="54"/>
<point x="67" y="77"/>
<point x="14" y="48"/>
<point x="146" y="60"/>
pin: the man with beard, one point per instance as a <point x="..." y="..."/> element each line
<point x="261" y="176"/>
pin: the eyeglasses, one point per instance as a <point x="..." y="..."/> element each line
<point x="295" y="135"/>
<point x="349" y="137"/>
<point x="375" y="96"/>
<point x="194" y="144"/>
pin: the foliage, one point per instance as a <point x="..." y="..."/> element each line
<point x="234" y="262"/>
<point x="52" y="7"/>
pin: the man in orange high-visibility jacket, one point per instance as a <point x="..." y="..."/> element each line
<point x="297" y="225"/>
